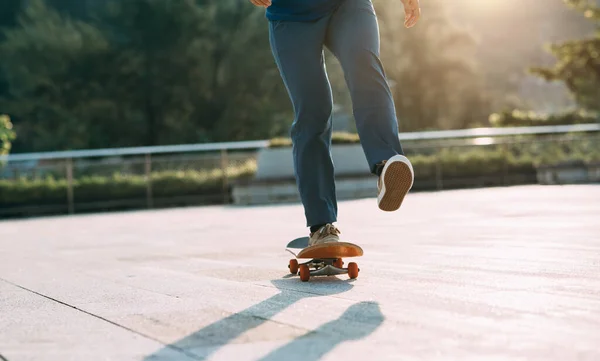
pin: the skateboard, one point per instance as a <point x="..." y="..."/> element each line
<point x="324" y="259"/>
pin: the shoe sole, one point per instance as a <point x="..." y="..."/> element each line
<point x="397" y="181"/>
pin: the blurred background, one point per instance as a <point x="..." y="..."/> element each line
<point x="198" y="76"/>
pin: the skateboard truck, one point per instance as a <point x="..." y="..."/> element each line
<point x="322" y="267"/>
<point x="325" y="259"/>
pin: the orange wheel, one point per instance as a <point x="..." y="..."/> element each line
<point x="338" y="263"/>
<point x="304" y="273"/>
<point x="353" y="270"/>
<point x="293" y="266"/>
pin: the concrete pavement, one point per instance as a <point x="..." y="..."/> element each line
<point x="485" y="274"/>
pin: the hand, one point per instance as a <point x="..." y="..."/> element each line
<point x="261" y="3"/>
<point x="412" y="12"/>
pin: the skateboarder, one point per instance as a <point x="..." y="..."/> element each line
<point x="299" y="29"/>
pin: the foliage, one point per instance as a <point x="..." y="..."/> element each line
<point x="437" y="85"/>
<point x="578" y="61"/>
<point x="142" y="72"/>
<point x="81" y="74"/>
<point x="51" y="89"/>
<point x="336" y="138"/>
<point x="523" y="150"/>
<point x="518" y="118"/>
<point x="455" y="163"/>
<point x="6" y="134"/>
<point x="50" y="190"/>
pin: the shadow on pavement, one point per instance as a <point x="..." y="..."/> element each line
<point x="358" y="321"/>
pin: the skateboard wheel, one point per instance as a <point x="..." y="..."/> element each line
<point x="293" y="266"/>
<point x="353" y="270"/>
<point x="338" y="263"/>
<point x="304" y="273"/>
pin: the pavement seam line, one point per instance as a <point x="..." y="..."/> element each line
<point x="178" y="349"/>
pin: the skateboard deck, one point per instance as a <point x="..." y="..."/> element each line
<point x="324" y="259"/>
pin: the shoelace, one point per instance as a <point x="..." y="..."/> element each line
<point x="330" y="229"/>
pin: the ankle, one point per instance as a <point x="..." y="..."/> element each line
<point x="379" y="168"/>
<point x="313" y="229"/>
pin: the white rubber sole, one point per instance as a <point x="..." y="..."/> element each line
<point x="397" y="180"/>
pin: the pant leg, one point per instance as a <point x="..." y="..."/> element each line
<point x="353" y="37"/>
<point x="298" y="51"/>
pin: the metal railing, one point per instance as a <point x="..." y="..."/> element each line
<point x="257" y="144"/>
<point x="222" y="157"/>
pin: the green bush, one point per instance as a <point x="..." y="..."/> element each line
<point x="90" y="189"/>
<point x="457" y="162"/>
<point x="517" y="118"/>
<point x="336" y="138"/>
<point x="44" y="191"/>
<point x="37" y="191"/>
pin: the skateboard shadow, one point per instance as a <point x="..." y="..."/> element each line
<point x="357" y="322"/>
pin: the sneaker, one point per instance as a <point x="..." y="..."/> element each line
<point x="326" y="234"/>
<point x="395" y="181"/>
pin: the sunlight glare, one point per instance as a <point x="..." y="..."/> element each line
<point x="483" y="141"/>
<point x="485" y="5"/>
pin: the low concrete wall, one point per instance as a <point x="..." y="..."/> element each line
<point x="275" y="183"/>
<point x="594" y="172"/>
<point x="284" y="190"/>
<point x="287" y="191"/>
<point x="277" y="163"/>
<point x="566" y="173"/>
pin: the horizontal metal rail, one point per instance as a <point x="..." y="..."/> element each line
<point x="113" y="152"/>
<point x="258" y="144"/>
<point x="500" y="132"/>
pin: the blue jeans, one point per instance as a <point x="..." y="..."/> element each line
<point x="351" y="33"/>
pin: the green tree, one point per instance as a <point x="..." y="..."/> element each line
<point x="197" y="70"/>
<point x="142" y="72"/>
<point x="437" y="86"/>
<point x="8" y="12"/>
<point x="6" y="134"/>
<point x="8" y="18"/>
<point x="578" y="61"/>
<point x="243" y="96"/>
<point x="47" y="62"/>
<point x="156" y="46"/>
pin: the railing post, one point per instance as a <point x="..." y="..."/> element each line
<point x="505" y="164"/>
<point x="224" y="167"/>
<point x="438" y="174"/>
<point x="148" y="173"/>
<point x="70" y="197"/>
